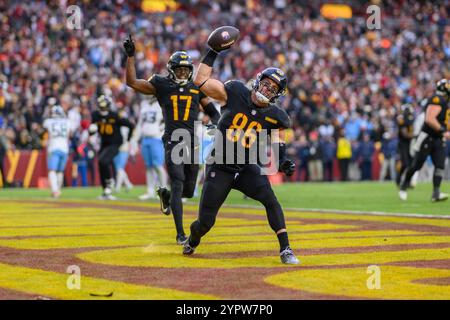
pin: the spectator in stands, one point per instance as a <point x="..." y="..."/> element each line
<point x="343" y="154"/>
<point x="315" y="164"/>
<point x="328" y="148"/>
<point x="365" y="155"/>
<point x="389" y="152"/>
<point x="302" y="151"/>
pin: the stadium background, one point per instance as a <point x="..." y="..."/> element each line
<point x="345" y="81"/>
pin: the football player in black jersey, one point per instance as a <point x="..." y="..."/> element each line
<point x="405" y="123"/>
<point x="108" y="123"/>
<point x="246" y="114"/>
<point x="181" y="102"/>
<point x="431" y="141"/>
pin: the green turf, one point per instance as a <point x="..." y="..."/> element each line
<point x="371" y="196"/>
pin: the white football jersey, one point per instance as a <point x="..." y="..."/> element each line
<point x="58" y="134"/>
<point x="150" y="123"/>
<point x="124" y="131"/>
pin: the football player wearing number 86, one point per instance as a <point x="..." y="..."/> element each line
<point x="180" y="100"/>
<point x="246" y="114"/>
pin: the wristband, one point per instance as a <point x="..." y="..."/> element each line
<point x="210" y="57"/>
<point x="212" y="112"/>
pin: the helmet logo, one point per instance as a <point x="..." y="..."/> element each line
<point x="225" y="35"/>
<point x="183" y="56"/>
<point x="281" y="73"/>
<point x="276" y="77"/>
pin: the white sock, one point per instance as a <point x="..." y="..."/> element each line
<point x="126" y="180"/>
<point x="60" y="178"/>
<point x="119" y="180"/>
<point x="150" y="181"/>
<point x="162" y="176"/>
<point x="53" y="180"/>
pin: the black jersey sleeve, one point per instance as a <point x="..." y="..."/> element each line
<point x="283" y="119"/>
<point x="124" y="122"/>
<point x="158" y="82"/>
<point x="95" y="117"/>
<point x="235" y="88"/>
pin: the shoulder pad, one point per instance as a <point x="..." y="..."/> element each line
<point x="435" y="100"/>
<point x="283" y="118"/>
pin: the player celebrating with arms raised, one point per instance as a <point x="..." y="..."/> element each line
<point x="246" y="112"/>
<point x="180" y="100"/>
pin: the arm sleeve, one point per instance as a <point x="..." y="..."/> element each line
<point x="211" y="111"/>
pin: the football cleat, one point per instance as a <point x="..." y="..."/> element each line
<point x="287" y="256"/>
<point x="56" y="194"/>
<point x="181" y="239"/>
<point x="439" y="197"/>
<point x="188" y="249"/>
<point x="403" y="195"/>
<point x="107" y="197"/>
<point x="146" y="196"/>
<point x="164" y="200"/>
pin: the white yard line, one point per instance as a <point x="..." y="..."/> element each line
<point x="353" y="212"/>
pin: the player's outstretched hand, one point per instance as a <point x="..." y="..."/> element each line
<point x="288" y="167"/>
<point x="128" y="44"/>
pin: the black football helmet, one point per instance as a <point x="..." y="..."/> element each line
<point x="276" y="75"/>
<point x="104" y="104"/>
<point x="443" y="87"/>
<point x="180" y="59"/>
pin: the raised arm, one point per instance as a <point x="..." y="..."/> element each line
<point x="211" y="87"/>
<point x="140" y="85"/>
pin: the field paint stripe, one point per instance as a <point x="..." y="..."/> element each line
<point x="248" y="206"/>
<point x="352" y="212"/>
<point x="30" y="168"/>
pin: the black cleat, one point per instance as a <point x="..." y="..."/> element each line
<point x="181" y="239"/>
<point x="439" y="197"/>
<point x="164" y="200"/>
<point x="188" y="249"/>
<point x="287" y="256"/>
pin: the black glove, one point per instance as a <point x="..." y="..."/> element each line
<point x="288" y="167"/>
<point x="128" y="44"/>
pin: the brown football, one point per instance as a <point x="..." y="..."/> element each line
<point x="223" y="38"/>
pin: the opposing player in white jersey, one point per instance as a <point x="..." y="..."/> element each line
<point x="150" y="130"/>
<point x="58" y="129"/>
<point x="121" y="159"/>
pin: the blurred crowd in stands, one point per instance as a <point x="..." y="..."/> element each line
<point x="346" y="82"/>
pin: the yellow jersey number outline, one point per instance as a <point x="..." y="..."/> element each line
<point x="239" y="126"/>
<point x="174" y="99"/>
<point x="106" y="128"/>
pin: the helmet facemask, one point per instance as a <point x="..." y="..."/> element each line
<point x="266" y="90"/>
<point x="181" y="74"/>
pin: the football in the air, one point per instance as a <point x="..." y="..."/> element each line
<point x="223" y="38"/>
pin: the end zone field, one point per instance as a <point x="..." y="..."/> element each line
<point x="364" y="244"/>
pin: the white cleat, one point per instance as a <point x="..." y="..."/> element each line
<point x="107" y="197"/>
<point x="56" y="194"/>
<point x="146" y="196"/>
<point x="403" y="195"/>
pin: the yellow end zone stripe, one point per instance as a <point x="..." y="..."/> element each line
<point x="52" y="284"/>
<point x="30" y="168"/>
<point x="13" y="157"/>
